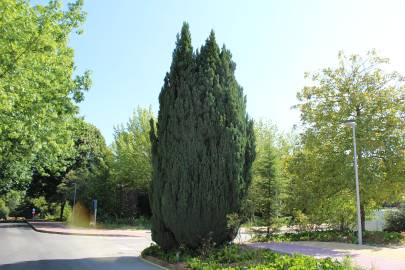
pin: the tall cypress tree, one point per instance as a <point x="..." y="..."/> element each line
<point x="203" y="149"/>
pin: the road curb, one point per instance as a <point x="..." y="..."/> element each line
<point x="148" y="260"/>
<point x="78" y="233"/>
<point x="163" y="264"/>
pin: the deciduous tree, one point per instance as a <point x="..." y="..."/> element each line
<point x="38" y="93"/>
<point x="358" y="89"/>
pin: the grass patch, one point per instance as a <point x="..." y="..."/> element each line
<point x="370" y="238"/>
<point x="238" y="257"/>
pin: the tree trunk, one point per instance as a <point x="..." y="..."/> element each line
<point x="62" y="209"/>
<point x="363" y="218"/>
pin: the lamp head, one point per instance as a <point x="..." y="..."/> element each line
<point x="349" y="123"/>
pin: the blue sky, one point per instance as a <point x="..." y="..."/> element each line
<point x="128" y="45"/>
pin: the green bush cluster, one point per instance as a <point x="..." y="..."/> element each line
<point x="46" y="210"/>
<point x="396" y="220"/>
<point x="235" y="257"/>
<point x="4" y="211"/>
<point x="170" y="256"/>
<point x="9" y="202"/>
<point x="130" y="222"/>
<point x="373" y="238"/>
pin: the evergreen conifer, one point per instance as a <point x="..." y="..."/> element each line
<point x="203" y="148"/>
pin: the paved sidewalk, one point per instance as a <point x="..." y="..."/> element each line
<point x="367" y="257"/>
<point x="62" y="228"/>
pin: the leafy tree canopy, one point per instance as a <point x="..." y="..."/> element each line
<point x="132" y="152"/>
<point x="358" y="89"/>
<point x="38" y="93"/>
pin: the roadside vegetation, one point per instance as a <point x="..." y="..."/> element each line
<point x="140" y="223"/>
<point x="396" y="220"/>
<point x="238" y="257"/>
<point x="369" y="238"/>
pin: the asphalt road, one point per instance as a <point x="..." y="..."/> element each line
<point x="23" y="248"/>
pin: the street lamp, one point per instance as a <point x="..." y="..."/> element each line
<point x="352" y="124"/>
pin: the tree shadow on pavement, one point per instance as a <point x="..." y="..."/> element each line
<point x="116" y="263"/>
<point x="14" y="225"/>
<point x="287" y="248"/>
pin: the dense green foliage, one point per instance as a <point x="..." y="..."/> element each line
<point x="4" y="210"/>
<point x="203" y="149"/>
<point x="132" y="222"/>
<point x="132" y="168"/>
<point x="267" y="193"/>
<point x="38" y="93"/>
<point x="44" y="146"/>
<point x="321" y="169"/>
<point x="369" y="238"/>
<point x="396" y="220"/>
<point x="265" y="188"/>
<point x="88" y="152"/>
<point x="236" y="257"/>
<point x="118" y="177"/>
<point x="89" y="169"/>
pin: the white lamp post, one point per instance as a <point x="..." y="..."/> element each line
<point x="352" y="124"/>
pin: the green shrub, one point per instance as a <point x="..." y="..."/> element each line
<point x="53" y="212"/>
<point x="13" y="199"/>
<point x="67" y="211"/>
<point x="396" y="220"/>
<point x="41" y="207"/>
<point x="130" y="222"/>
<point x="383" y="237"/>
<point x="4" y="211"/>
<point x="237" y="257"/>
<point x="373" y="238"/>
<point x="171" y="256"/>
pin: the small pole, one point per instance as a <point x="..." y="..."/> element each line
<point x="74" y="203"/>
<point x="95" y="212"/>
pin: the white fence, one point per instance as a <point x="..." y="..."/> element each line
<point x="377" y="221"/>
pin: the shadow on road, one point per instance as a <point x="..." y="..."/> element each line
<point x="116" y="263"/>
<point x="288" y="248"/>
<point x="23" y="226"/>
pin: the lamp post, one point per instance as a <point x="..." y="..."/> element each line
<point x="352" y="124"/>
<point x="74" y="203"/>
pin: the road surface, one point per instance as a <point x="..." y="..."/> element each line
<point x="23" y="248"/>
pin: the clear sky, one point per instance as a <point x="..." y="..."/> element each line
<point x="128" y="44"/>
